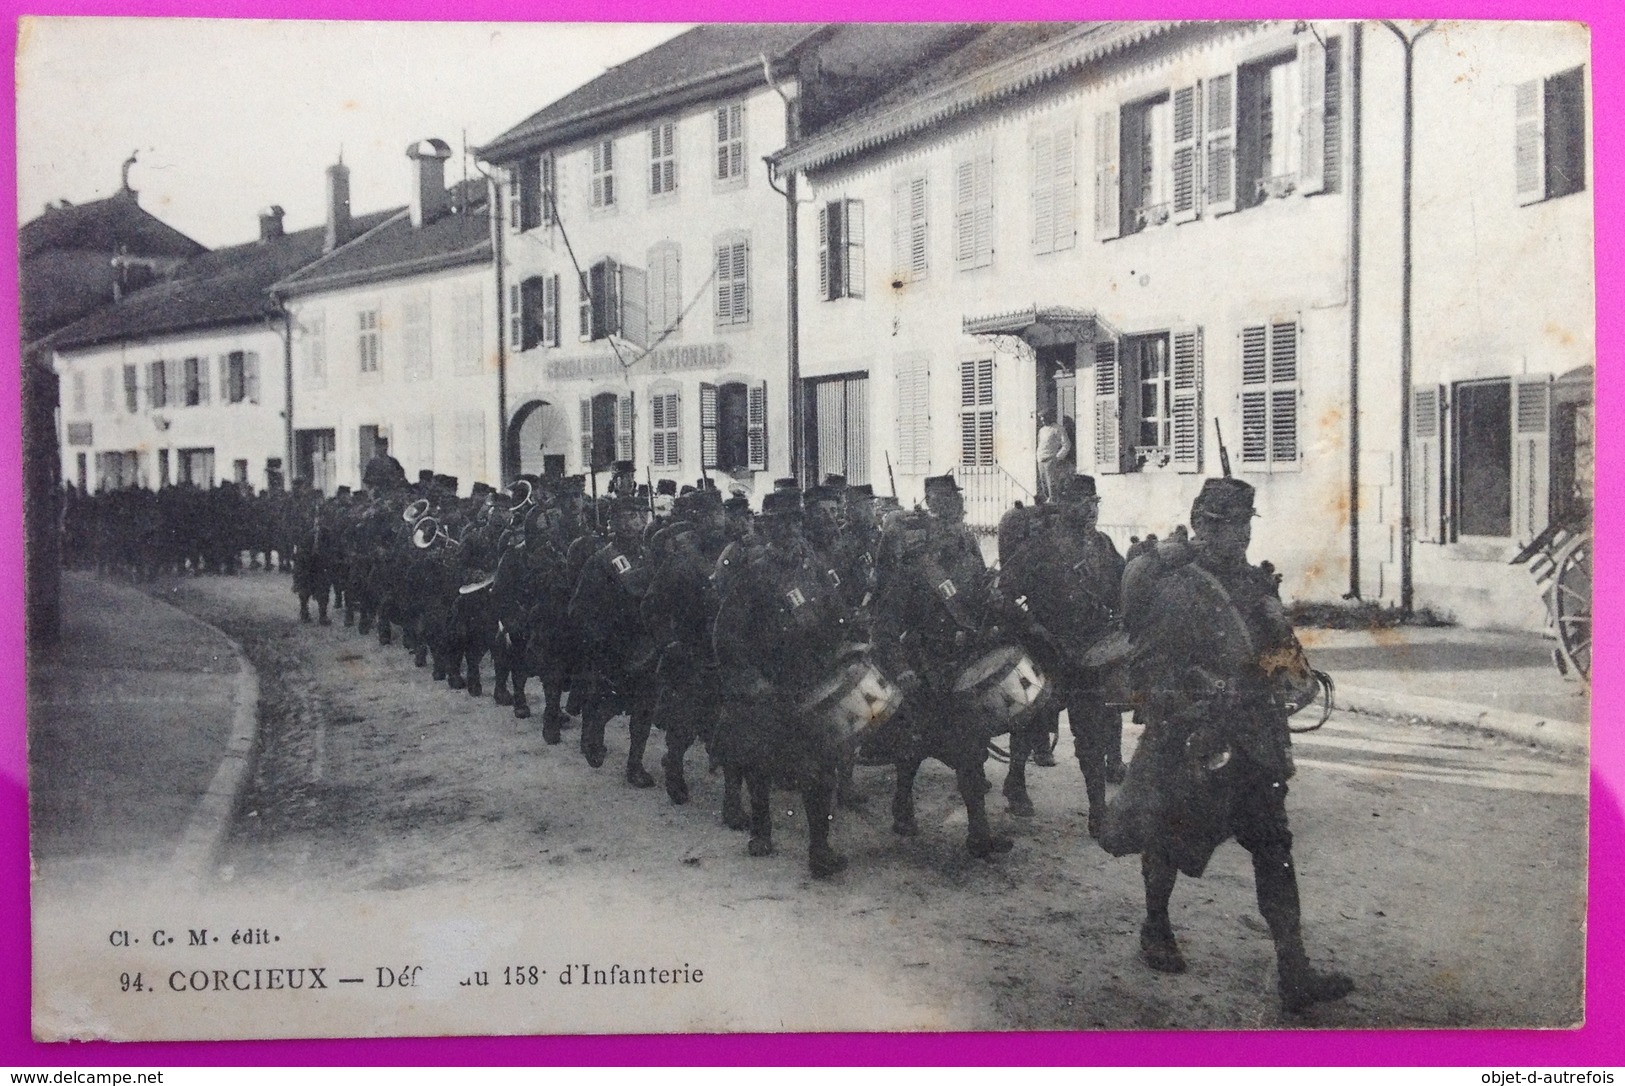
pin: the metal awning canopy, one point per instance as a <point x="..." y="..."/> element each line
<point x="1043" y="325"/>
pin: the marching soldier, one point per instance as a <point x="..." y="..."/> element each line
<point x="1221" y="671"/>
<point x="932" y="617"/>
<point x="1063" y="579"/>
<point x="618" y="654"/>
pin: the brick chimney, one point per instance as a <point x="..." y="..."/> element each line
<point x="428" y="158"/>
<point x="338" y="207"/>
<point x="271" y="223"/>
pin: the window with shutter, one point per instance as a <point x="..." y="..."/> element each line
<point x="664" y="290"/>
<point x="662" y="158"/>
<point x="251" y="376"/>
<point x="415" y="344"/>
<point x="913" y="415"/>
<point x="313" y="341"/>
<point x="1108" y="409"/>
<point x="840" y="249"/>
<point x="973" y="211"/>
<point x="1427" y="465"/>
<point x="586" y="434"/>
<point x="155" y="385"/>
<point x="1147" y="129"/>
<point x="530" y="202"/>
<point x="708" y="425"/>
<point x="516" y="317"/>
<point x="367" y="344"/>
<point x="730" y="142"/>
<point x="584" y="309"/>
<point x="828" y="221"/>
<point x="1311" y="168"/>
<point x="733" y="282"/>
<point x="550" y="189"/>
<point x="175" y="383"/>
<point x="1270" y="392"/>
<point x="1549" y="140"/>
<point x="976" y="411"/>
<point x="131" y="389"/>
<point x="531" y="293"/>
<point x="603" y="173"/>
<point x="191" y="393"/>
<point x="910" y="251"/>
<point x="665" y="436"/>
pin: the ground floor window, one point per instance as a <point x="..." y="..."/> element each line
<point x="837" y="422"/>
<point x="733" y="426"/>
<point x="316" y="458"/>
<point x="1483" y="459"/>
<point x="196" y="466"/>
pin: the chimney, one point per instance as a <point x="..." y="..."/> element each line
<point x="271" y="223"/>
<point x="338" y="207"/>
<point x="428" y="179"/>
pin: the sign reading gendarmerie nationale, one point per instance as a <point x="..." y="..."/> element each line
<point x="698" y="356"/>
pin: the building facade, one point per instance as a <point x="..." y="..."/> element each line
<point x="394" y="337"/>
<point x="1165" y="233"/>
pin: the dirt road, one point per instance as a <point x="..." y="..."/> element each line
<point x="1444" y="871"/>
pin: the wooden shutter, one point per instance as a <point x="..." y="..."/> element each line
<point x="825" y="272"/>
<point x="530" y="312"/>
<point x="1064" y="186"/>
<point x="584" y="309"/>
<point x="1312" y="115"/>
<point x="225" y="379"/>
<point x="251" y="376"/>
<point x="1255" y="424"/>
<point x="624" y="416"/>
<point x="1219" y="145"/>
<point x="1427" y="465"/>
<point x="1187" y="400"/>
<point x="1186" y="156"/>
<point x="708" y="425"/>
<point x="175" y="380"/>
<point x="156" y="389"/>
<point x="1531" y="457"/>
<point x="550" y="311"/>
<point x="203" y="390"/>
<point x="1285" y="371"/>
<point x="756" y="423"/>
<point x="671" y="288"/>
<point x="852" y="265"/>
<point x="665" y="414"/>
<point x="550" y="189"/>
<point x="1043" y="187"/>
<point x="913" y="416"/>
<point x="516" y="317"/>
<point x="1108" y="409"/>
<point x="1108" y="193"/>
<point x="634" y="315"/>
<point x="973" y="211"/>
<point x="586" y="434"/>
<point x="530" y="193"/>
<point x="918" y="253"/>
<point x="1529" y="141"/>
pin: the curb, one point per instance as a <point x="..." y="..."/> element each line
<point x="1565" y="735"/>
<point x="206" y="830"/>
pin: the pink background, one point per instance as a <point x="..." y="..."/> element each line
<point x="1601" y="1042"/>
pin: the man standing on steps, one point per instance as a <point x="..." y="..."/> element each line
<point x="1052" y="449"/>
<point x="1220" y="671"/>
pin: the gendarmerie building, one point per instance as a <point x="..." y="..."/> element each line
<point x="1164" y="232"/>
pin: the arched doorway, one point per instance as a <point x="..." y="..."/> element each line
<point x="538" y="440"/>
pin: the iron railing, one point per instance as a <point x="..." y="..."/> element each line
<point x="989" y="493"/>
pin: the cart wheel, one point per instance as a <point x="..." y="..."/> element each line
<point x="1572" y="606"/>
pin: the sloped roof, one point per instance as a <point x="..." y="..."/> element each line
<point x="398" y="249"/>
<point x="223" y="287"/>
<point x="104" y="226"/>
<point x="1003" y="59"/>
<point x="695" y="57"/>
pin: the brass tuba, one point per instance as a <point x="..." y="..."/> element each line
<point x="521" y="496"/>
<point x="427" y="532"/>
<point x="415" y="512"/>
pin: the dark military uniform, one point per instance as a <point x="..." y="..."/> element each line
<point x="1219" y="666"/>
<point x="932" y="616"/>
<point x="1063" y="579"/>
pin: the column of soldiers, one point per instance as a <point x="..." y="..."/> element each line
<point x="179" y="528"/>
<point x="834" y="629"/>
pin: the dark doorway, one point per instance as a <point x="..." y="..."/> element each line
<point x="1483" y="455"/>
<point x="316" y="458"/>
<point x="603" y="430"/>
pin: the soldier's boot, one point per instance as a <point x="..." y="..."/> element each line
<point x="902" y="800"/>
<point x="1043" y="744"/>
<point x="678" y="741"/>
<point x="552" y="726"/>
<point x="304" y="608"/>
<point x="321" y="613"/>
<point x="980" y="840"/>
<point x="572" y="701"/>
<point x="822" y="859"/>
<point x="639" y="726"/>
<point x="1016" y="798"/>
<point x="454" y="672"/>
<point x="1158" y="948"/>
<point x="592" y="737"/>
<point x="733" y="801"/>
<point x="1115" y="770"/>
<point x="439" y="662"/>
<point x="761" y="813"/>
<point x="476" y="687"/>
<point x="1300" y="985"/>
<point x="499" y="687"/>
<point x="1092" y="727"/>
